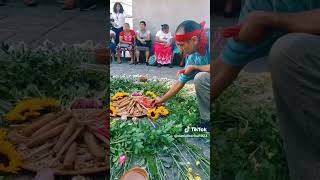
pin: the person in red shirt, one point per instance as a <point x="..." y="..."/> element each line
<point x="126" y="42"/>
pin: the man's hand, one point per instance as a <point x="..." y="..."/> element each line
<point x="187" y="71"/>
<point x="255" y="26"/>
<point x="190" y="69"/>
<point x="157" y="102"/>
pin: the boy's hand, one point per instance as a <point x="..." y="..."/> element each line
<point x="157" y="102"/>
<point x="187" y="71"/>
<point x="255" y="26"/>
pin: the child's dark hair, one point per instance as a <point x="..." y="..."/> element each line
<point x="188" y="26"/>
<point x="115" y="7"/>
<point x="143" y="22"/>
<point x="164" y="26"/>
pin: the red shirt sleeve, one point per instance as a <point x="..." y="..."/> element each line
<point x="133" y="33"/>
<point x="121" y="33"/>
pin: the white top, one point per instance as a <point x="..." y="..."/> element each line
<point x="164" y="37"/>
<point x="143" y="35"/>
<point x="112" y="38"/>
<point x="119" y="19"/>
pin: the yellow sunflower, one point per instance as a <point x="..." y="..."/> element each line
<point x="153" y="114"/>
<point x="198" y="178"/>
<point x="151" y="94"/>
<point x="113" y="111"/>
<point x="29" y="108"/>
<point x="162" y="111"/>
<point x="119" y="95"/>
<point x="10" y="159"/>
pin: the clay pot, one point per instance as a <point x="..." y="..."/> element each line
<point x="143" y="79"/>
<point x="135" y="173"/>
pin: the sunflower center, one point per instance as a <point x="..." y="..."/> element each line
<point x="4" y="160"/>
<point x="153" y="114"/>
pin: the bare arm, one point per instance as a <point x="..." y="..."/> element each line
<point x="223" y="76"/>
<point x="306" y="22"/>
<point x="158" y="40"/>
<point x="137" y="36"/>
<point x="205" y="68"/>
<point x="149" y="37"/>
<point x="170" y="42"/>
<point x="175" y="88"/>
<point x="255" y="26"/>
<point x="191" y="68"/>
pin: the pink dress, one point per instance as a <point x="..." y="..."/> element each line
<point x="163" y="53"/>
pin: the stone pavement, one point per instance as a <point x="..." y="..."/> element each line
<point x="126" y="69"/>
<point x="33" y="25"/>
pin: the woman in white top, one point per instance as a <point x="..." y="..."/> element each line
<point x="162" y="46"/>
<point x="119" y="17"/>
<point x="143" y="42"/>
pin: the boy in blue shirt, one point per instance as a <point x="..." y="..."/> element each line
<point x="193" y="39"/>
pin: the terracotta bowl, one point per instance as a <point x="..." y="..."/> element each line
<point x="135" y="173"/>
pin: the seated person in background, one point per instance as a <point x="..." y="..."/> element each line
<point x="162" y="46"/>
<point x="181" y="56"/>
<point x="143" y="41"/>
<point x="112" y="43"/>
<point x="126" y="42"/>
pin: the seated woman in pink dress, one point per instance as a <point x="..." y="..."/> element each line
<point x="162" y="46"/>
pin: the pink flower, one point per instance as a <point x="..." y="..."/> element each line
<point x="122" y="160"/>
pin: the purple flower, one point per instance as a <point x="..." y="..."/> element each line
<point x="122" y="160"/>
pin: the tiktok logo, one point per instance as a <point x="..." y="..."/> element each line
<point x="187" y="129"/>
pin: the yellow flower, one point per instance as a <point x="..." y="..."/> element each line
<point x="153" y="114"/>
<point x="163" y="111"/>
<point x="113" y="111"/>
<point x="14" y="116"/>
<point x="10" y="158"/>
<point x="198" y="178"/>
<point x="119" y="95"/>
<point x="190" y="170"/>
<point x="29" y="108"/>
<point x="190" y="176"/>
<point x="197" y="163"/>
<point x="151" y="94"/>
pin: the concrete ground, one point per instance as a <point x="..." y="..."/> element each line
<point x="126" y="69"/>
<point x="47" y="21"/>
<point x="33" y="25"/>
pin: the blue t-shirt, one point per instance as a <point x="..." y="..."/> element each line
<point x="196" y="59"/>
<point x="239" y="53"/>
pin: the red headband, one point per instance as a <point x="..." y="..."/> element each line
<point x="203" y="38"/>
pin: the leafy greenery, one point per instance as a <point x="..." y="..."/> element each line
<point x="148" y="143"/>
<point x="246" y="141"/>
<point x="47" y="71"/>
